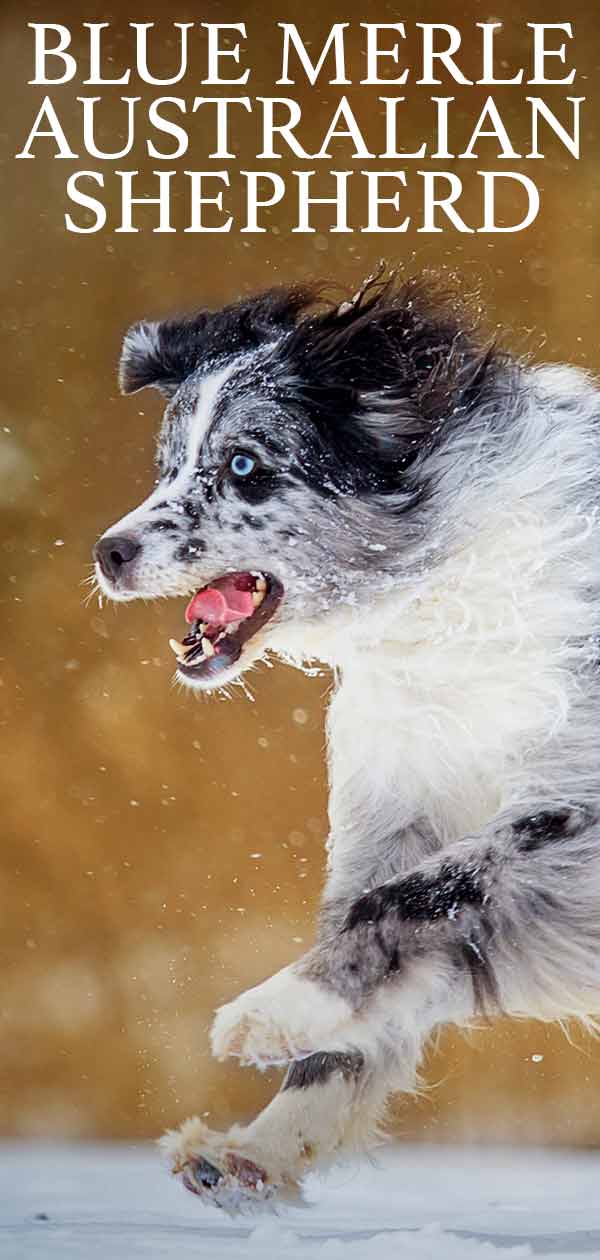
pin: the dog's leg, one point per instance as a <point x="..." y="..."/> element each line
<point x="508" y="921"/>
<point x="331" y="1100"/>
<point x="330" y="1103"/>
<point x="305" y="1124"/>
<point x="290" y="1015"/>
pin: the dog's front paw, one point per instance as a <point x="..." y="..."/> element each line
<point x="287" y="1017"/>
<point x="227" y="1170"/>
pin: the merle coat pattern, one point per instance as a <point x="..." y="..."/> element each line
<point x="421" y="510"/>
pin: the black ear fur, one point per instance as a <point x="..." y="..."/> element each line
<point x="163" y="354"/>
<point x="160" y="355"/>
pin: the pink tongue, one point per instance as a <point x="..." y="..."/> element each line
<point x="219" y="607"/>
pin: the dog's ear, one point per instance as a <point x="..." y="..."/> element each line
<point x="161" y="354"/>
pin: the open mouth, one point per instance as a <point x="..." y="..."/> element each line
<point x="222" y="617"/>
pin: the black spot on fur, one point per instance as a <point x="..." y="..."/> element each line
<point x="420" y="898"/>
<point x="161" y="527"/>
<point x="193" y="510"/>
<point x="549" y="826"/>
<point x="317" y="1068"/>
<point x="454" y="899"/>
<point x="188" y="550"/>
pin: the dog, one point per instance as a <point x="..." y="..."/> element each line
<point x="373" y="484"/>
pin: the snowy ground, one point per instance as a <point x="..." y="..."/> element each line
<point x="418" y="1203"/>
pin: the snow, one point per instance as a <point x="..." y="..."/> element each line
<point x="412" y="1203"/>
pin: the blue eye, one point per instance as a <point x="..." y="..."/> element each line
<point x="242" y="465"/>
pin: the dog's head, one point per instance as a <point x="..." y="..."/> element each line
<point x="293" y="461"/>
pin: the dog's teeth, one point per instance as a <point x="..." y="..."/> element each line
<point x="261" y="583"/>
<point x="207" y="647"/>
<point x="178" y="648"/>
<point x="257" y="598"/>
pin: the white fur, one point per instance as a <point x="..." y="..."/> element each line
<point x="284" y="1018"/>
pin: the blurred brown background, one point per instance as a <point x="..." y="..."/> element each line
<point x="160" y="853"/>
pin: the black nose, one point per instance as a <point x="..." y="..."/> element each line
<point x="114" y="553"/>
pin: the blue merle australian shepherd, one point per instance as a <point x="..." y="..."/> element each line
<point x="371" y="485"/>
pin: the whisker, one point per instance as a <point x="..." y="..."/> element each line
<point x="94" y="590"/>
